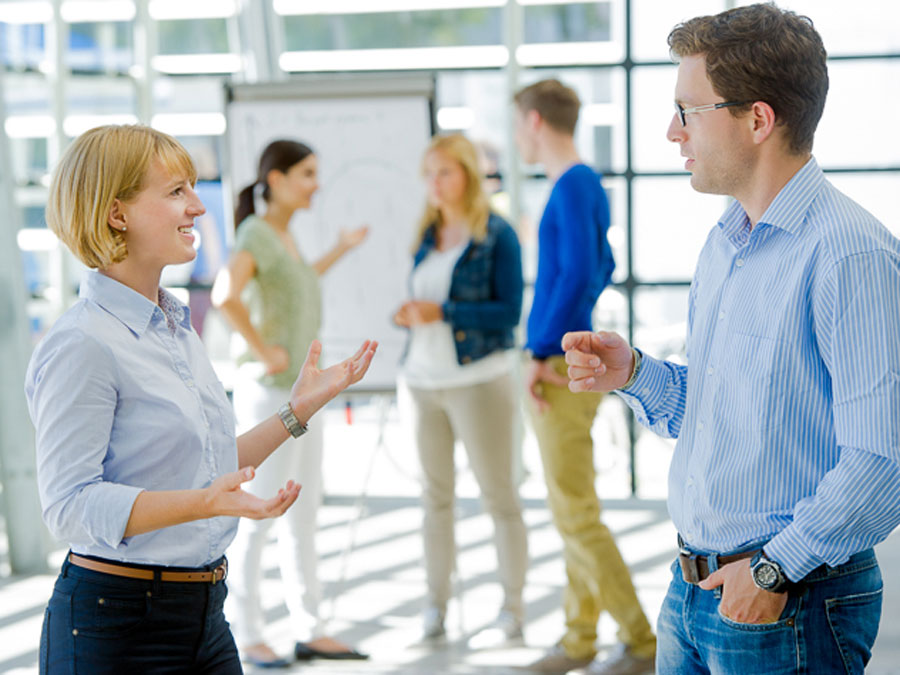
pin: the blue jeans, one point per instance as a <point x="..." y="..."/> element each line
<point x="101" y="623"/>
<point x="828" y="626"/>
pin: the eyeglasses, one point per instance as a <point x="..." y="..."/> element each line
<point x="703" y="108"/>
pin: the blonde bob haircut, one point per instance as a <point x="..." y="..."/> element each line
<point x="475" y="203"/>
<point x="100" y="166"/>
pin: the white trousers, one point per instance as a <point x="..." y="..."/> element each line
<point x="298" y="459"/>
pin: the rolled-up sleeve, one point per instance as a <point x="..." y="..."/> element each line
<point x="72" y="396"/>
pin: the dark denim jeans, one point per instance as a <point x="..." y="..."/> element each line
<point x="828" y="626"/>
<point x="100" y="623"/>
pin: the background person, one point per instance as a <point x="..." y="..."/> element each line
<point x="139" y="470"/>
<point x="575" y="264"/>
<point x="281" y="322"/>
<point x="466" y="300"/>
<point x="785" y="473"/>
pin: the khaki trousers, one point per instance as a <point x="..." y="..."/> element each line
<point x="483" y="417"/>
<point x="598" y="578"/>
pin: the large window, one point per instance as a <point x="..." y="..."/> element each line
<point x="165" y="62"/>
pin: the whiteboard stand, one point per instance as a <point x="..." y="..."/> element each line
<point x="383" y="400"/>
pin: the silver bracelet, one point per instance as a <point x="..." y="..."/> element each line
<point x="290" y="421"/>
<point x="637" y="369"/>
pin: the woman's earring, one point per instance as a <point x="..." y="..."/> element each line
<point x="124" y="228"/>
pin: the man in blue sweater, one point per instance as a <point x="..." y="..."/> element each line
<point x="575" y="264"/>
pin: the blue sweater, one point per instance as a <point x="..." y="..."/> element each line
<point x="575" y="262"/>
<point x="485" y="301"/>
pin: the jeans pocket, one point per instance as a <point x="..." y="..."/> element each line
<point x="854" y="625"/>
<point x="786" y="620"/>
<point x="109" y="612"/>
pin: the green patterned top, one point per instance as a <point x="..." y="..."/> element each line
<point x="284" y="297"/>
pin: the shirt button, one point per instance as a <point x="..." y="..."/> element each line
<point x="189" y="382"/>
<point x="689" y="482"/>
<point x="739" y="262"/>
<point x="460" y="335"/>
<point x="699" y="426"/>
<point x="721" y="315"/>
<point x="710" y="370"/>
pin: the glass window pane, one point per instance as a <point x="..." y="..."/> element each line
<point x="188" y="94"/>
<point x="671" y="223"/>
<point x="21" y="45"/>
<point x="875" y="192"/>
<point x="576" y="22"/>
<point x="864" y="28"/>
<point x="87" y="95"/>
<point x="653" y="20"/>
<point x="29" y="160"/>
<point x="193" y="36"/>
<point x="860" y="114"/>
<point x="100" y="47"/>
<point x="431" y="28"/>
<point x="473" y="94"/>
<point x="653" y="92"/>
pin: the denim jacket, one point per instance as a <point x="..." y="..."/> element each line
<point x="485" y="302"/>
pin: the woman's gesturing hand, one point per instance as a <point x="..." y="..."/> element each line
<point x="349" y="239"/>
<point x="276" y="359"/>
<point x="314" y="388"/>
<point x="417" y="312"/>
<point x="597" y="361"/>
<point x="224" y="497"/>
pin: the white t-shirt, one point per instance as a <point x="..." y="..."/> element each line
<point x="431" y="361"/>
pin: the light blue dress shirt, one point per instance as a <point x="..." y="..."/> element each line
<point x="788" y="412"/>
<point x="124" y="399"/>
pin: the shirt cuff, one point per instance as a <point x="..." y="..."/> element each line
<point x="789" y="550"/>
<point x="648" y="390"/>
<point x="112" y="502"/>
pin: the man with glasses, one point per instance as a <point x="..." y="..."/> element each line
<point x="787" y="467"/>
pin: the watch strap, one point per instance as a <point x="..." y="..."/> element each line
<point x="290" y="421"/>
<point x="637" y="369"/>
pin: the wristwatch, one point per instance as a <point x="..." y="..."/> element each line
<point x="767" y="574"/>
<point x="290" y="421"/>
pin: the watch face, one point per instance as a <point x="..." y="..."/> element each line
<point x="766" y="575"/>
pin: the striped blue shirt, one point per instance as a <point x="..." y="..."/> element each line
<point x="124" y="399"/>
<point x="788" y="413"/>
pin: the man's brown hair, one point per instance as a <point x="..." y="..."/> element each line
<point x="762" y="53"/>
<point x="556" y="103"/>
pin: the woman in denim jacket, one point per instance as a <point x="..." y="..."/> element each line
<point x="458" y="371"/>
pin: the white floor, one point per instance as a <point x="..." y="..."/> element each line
<point x="370" y="545"/>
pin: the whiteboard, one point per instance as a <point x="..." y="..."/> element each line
<point x="369" y="135"/>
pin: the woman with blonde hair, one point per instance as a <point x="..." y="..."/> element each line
<point x="458" y="370"/>
<point x="139" y="468"/>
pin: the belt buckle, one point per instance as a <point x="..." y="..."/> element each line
<point x="224" y="567"/>
<point x="688" y="562"/>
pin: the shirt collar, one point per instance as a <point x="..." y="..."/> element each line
<point x="787" y="210"/>
<point x="129" y="306"/>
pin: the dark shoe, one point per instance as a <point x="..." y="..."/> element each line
<point x="304" y="652"/>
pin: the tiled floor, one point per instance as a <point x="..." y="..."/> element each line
<point x="370" y="546"/>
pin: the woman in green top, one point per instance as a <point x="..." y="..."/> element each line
<point x="281" y="321"/>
